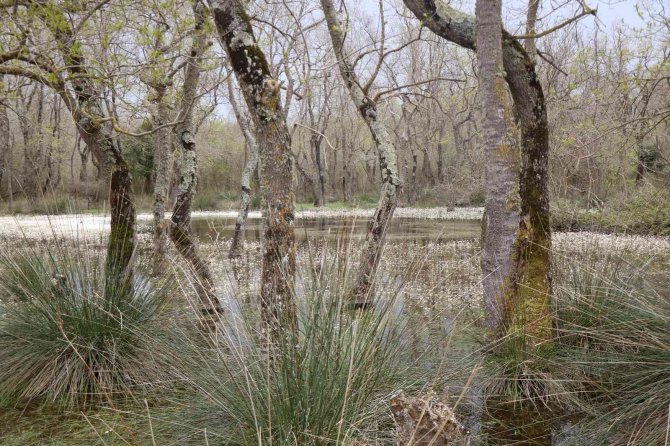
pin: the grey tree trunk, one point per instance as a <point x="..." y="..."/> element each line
<point x="532" y="304"/>
<point x="531" y="22"/>
<point x="501" y="210"/>
<point x="440" y="155"/>
<point x="161" y="178"/>
<point x="525" y="311"/>
<point x="50" y="164"/>
<point x="427" y="168"/>
<point x="5" y="154"/>
<point x="391" y="183"/>
<point x="237" y="244"/>
<point x="315" y="142"/>
<point x="180" y="222"/>
<point x="261" y="93"/>
<point x="413" y="186"/>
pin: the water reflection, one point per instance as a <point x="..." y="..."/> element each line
<point x="333" y="229"/>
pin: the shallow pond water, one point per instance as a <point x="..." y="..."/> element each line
<point x="430" y="265"/>
<point x="334" y="228"/>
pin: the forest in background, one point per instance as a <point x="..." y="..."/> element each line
<point x="606" y="89"/>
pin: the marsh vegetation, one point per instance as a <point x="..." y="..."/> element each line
<point x="327" y="222"/>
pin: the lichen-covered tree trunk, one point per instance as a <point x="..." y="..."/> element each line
<point x="391" y="183"/>
<point x="531" y="310"/>
<point x="237" y="244"/>
<point x="501" y="209"/>
<point x="526" y="308"/>
<point x="92" y="125"/>
<point x="122" y="237"/>
<point x="261" y="93"/>
<point x="161" y="178"/>
<point x="532" y="305"/>
<point x="180" y="222"/>
<point x="121" y="244"/>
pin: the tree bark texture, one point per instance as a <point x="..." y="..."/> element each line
<point x="161" y="178"/>
<point x="180" y="223"/>
<point x="532" y="307"/>
<point x="501" y="209"/>
<point x="261" y="93"/>
<point x="391" y="183"/>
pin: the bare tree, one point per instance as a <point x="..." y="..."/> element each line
<point x="261" y="93"/>
<point x="528" y="276"/>
<point x="180" y="222"/>
<point x="83" y="98"/>
<point x="392" y="184"/>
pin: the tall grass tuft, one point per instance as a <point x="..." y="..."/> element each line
<point x="66" y="334"/>
<point x="614" y="324"/>
<point x="329" y="382"/>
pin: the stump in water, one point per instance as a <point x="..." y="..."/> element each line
<point x="426" y="422"/>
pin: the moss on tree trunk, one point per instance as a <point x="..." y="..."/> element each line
<point x="261" y="94"/>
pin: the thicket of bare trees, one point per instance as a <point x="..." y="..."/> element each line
<point x="605" y="87"/>
<point x="389" y="101"/>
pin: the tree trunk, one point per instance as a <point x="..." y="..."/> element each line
<point x="49" y="164"/>
<point x="87" y="110"/>
<point x="180" y="222"/>
<point x="413" y="186"/>
<point x="332" y="175"/>
<point x="84" y="101"/>
<point x="531" y="21"/>
<point x="5" y="153"/>
<point x="315" y="141"/>
<point x="261" y="93"/>
<point x="121" y="244"/>
<point x="346" y="168"/>
<point x="525" y="314"/>
<point x="440" y="155"/>
<point x="427" y="168"/>
<point x="161" y="179"/>
<point x="501" y="210"/>
<point x="533" y="277"/>
<point x="83" y="159"/>
<point x="391" y="183"/>
<point x="251" y="165"/>
<point x="32" y="141"/>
